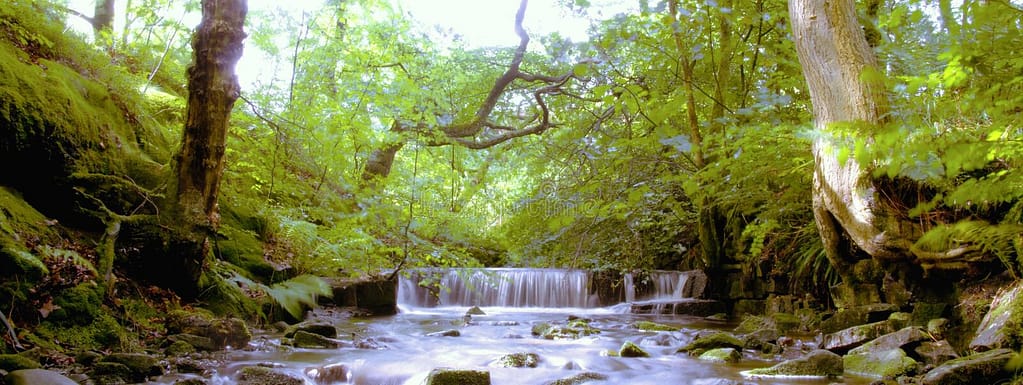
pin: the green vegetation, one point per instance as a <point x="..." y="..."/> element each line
<point x="676" y="136"/>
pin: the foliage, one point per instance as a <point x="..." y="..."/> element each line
<point x="299" y="292"/>
<point x="642" y="167"/>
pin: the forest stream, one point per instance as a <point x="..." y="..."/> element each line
<point x="404" y="348"/>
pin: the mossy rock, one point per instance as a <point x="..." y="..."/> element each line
<point x="579" y="379"/>
<point x="315" y="327"/>
<point x="36" y="377"/>
<point x="575" y="329"/>
<point x="306" y="340"/>
<point x="200" y="343"/>
<point x="630" y="349"/>
<point x="729" y="355"/>
<point x="179" y="348"/>
<point x="66" y="125"/>
<point x="475" y="310"/>
<point x="654" y="327"/>
<point x="517" y="360"/>
<point x="880" y="364"/>
<point x="711" y="341"/>
<point x="222" y="331"/>
<point x="786" y="322"/>
<point x="442" y="376"/>
<point x="112" y="373"/>
<point x="141" y="366"/>
<point x="104" y="333"/>
<point x="819" y="363"/>
<point x="243" y="249"/>
<point x="258" y="375"/>
<point x="12" y="362"/>
<point x="79" y="305"/>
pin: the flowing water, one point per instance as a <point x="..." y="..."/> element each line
<point x="514" y="300"/>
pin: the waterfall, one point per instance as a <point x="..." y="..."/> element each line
<point x="504" y="287"/>
<point x="540" y="288"/>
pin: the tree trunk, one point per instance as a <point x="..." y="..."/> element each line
<point x="103" y="23"/>
<point x="213" y="89"/>
<point x="843" y="77"/>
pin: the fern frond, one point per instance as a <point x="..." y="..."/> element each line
<point x="999" y="240"/>
<point x="297" y="292"/>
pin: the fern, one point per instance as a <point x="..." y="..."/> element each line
<point x="1000" y="240"/>
<point x="297" y="292"/>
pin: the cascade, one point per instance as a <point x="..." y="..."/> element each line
<point x="505" y="287"/>
<point x="532" y="288"/>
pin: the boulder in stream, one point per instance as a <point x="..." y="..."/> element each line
<point x="140" y="366"/>
<point x="445" y="376"/>
<point x="445" y="333"/>
<point x="579" y="379"/>
<point x="819" y="363"/>
<point x="517" y="360"/>
<point x="475" y="310"/>
<point x="981" y="368"/>
<point x="888" y="363"/>
<point x="905" y="338"/>
<point x="711" y="341"/>
<point x="721" y="355"/>
<point x="630" y="349"/>
<point x="259" y="375"/>
<point x="315" y="327"/>
<point x="329" y="374"/>
<point x="849" y="338"/>
<point x="223" y="332"/>
<point x="306" y="340"/>
<point x="37" y="377"/>
<point x="654" y="327"/>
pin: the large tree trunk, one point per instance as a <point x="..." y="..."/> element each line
<point x="103" y="19"/>
<point x="213" y="89"/>
<point x="844" y="81"/>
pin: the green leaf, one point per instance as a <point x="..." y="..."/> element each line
<point x="580" y="70"/>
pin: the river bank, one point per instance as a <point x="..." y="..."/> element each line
<point x="878" y="343"/>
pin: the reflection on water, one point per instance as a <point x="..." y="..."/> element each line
<point x="408" y="354"/>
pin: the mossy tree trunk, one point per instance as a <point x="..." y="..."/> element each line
<point x="212" y="90"/>
<point x="845" y="86"/>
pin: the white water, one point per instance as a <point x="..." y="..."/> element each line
<point x="528" y="288"/>
<point x="514" y="301"/>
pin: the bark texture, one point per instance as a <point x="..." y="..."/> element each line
<point x="839" y="67"/>
<point x="212" y="91"/>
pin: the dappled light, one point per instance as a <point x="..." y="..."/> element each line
<point x="511" y="192"/>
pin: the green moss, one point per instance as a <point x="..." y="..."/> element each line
<point x="712" y="341"/>
<point x="79" y="305"/>
<point x="12" y="362"/>
<point x="721" y="355"/>
<point x="630" y="349"/>
<point x="580" y="378"/>
<point x="103" y="333"/>
<point x="654" y="327"/>
<point x="223" y="293"/>
<point x="258" y="375"/>
<point x="458" y="377"/>
<point x="518" y="360"/>
<point x="241" y="248"/>
<point x="886" y="364"/>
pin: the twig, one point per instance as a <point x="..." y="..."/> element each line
<point x="10" y="332"/>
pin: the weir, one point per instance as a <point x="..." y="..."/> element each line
<point x="540" y="288"/>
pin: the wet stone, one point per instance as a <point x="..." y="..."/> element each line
<point x="36" y="377"/>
